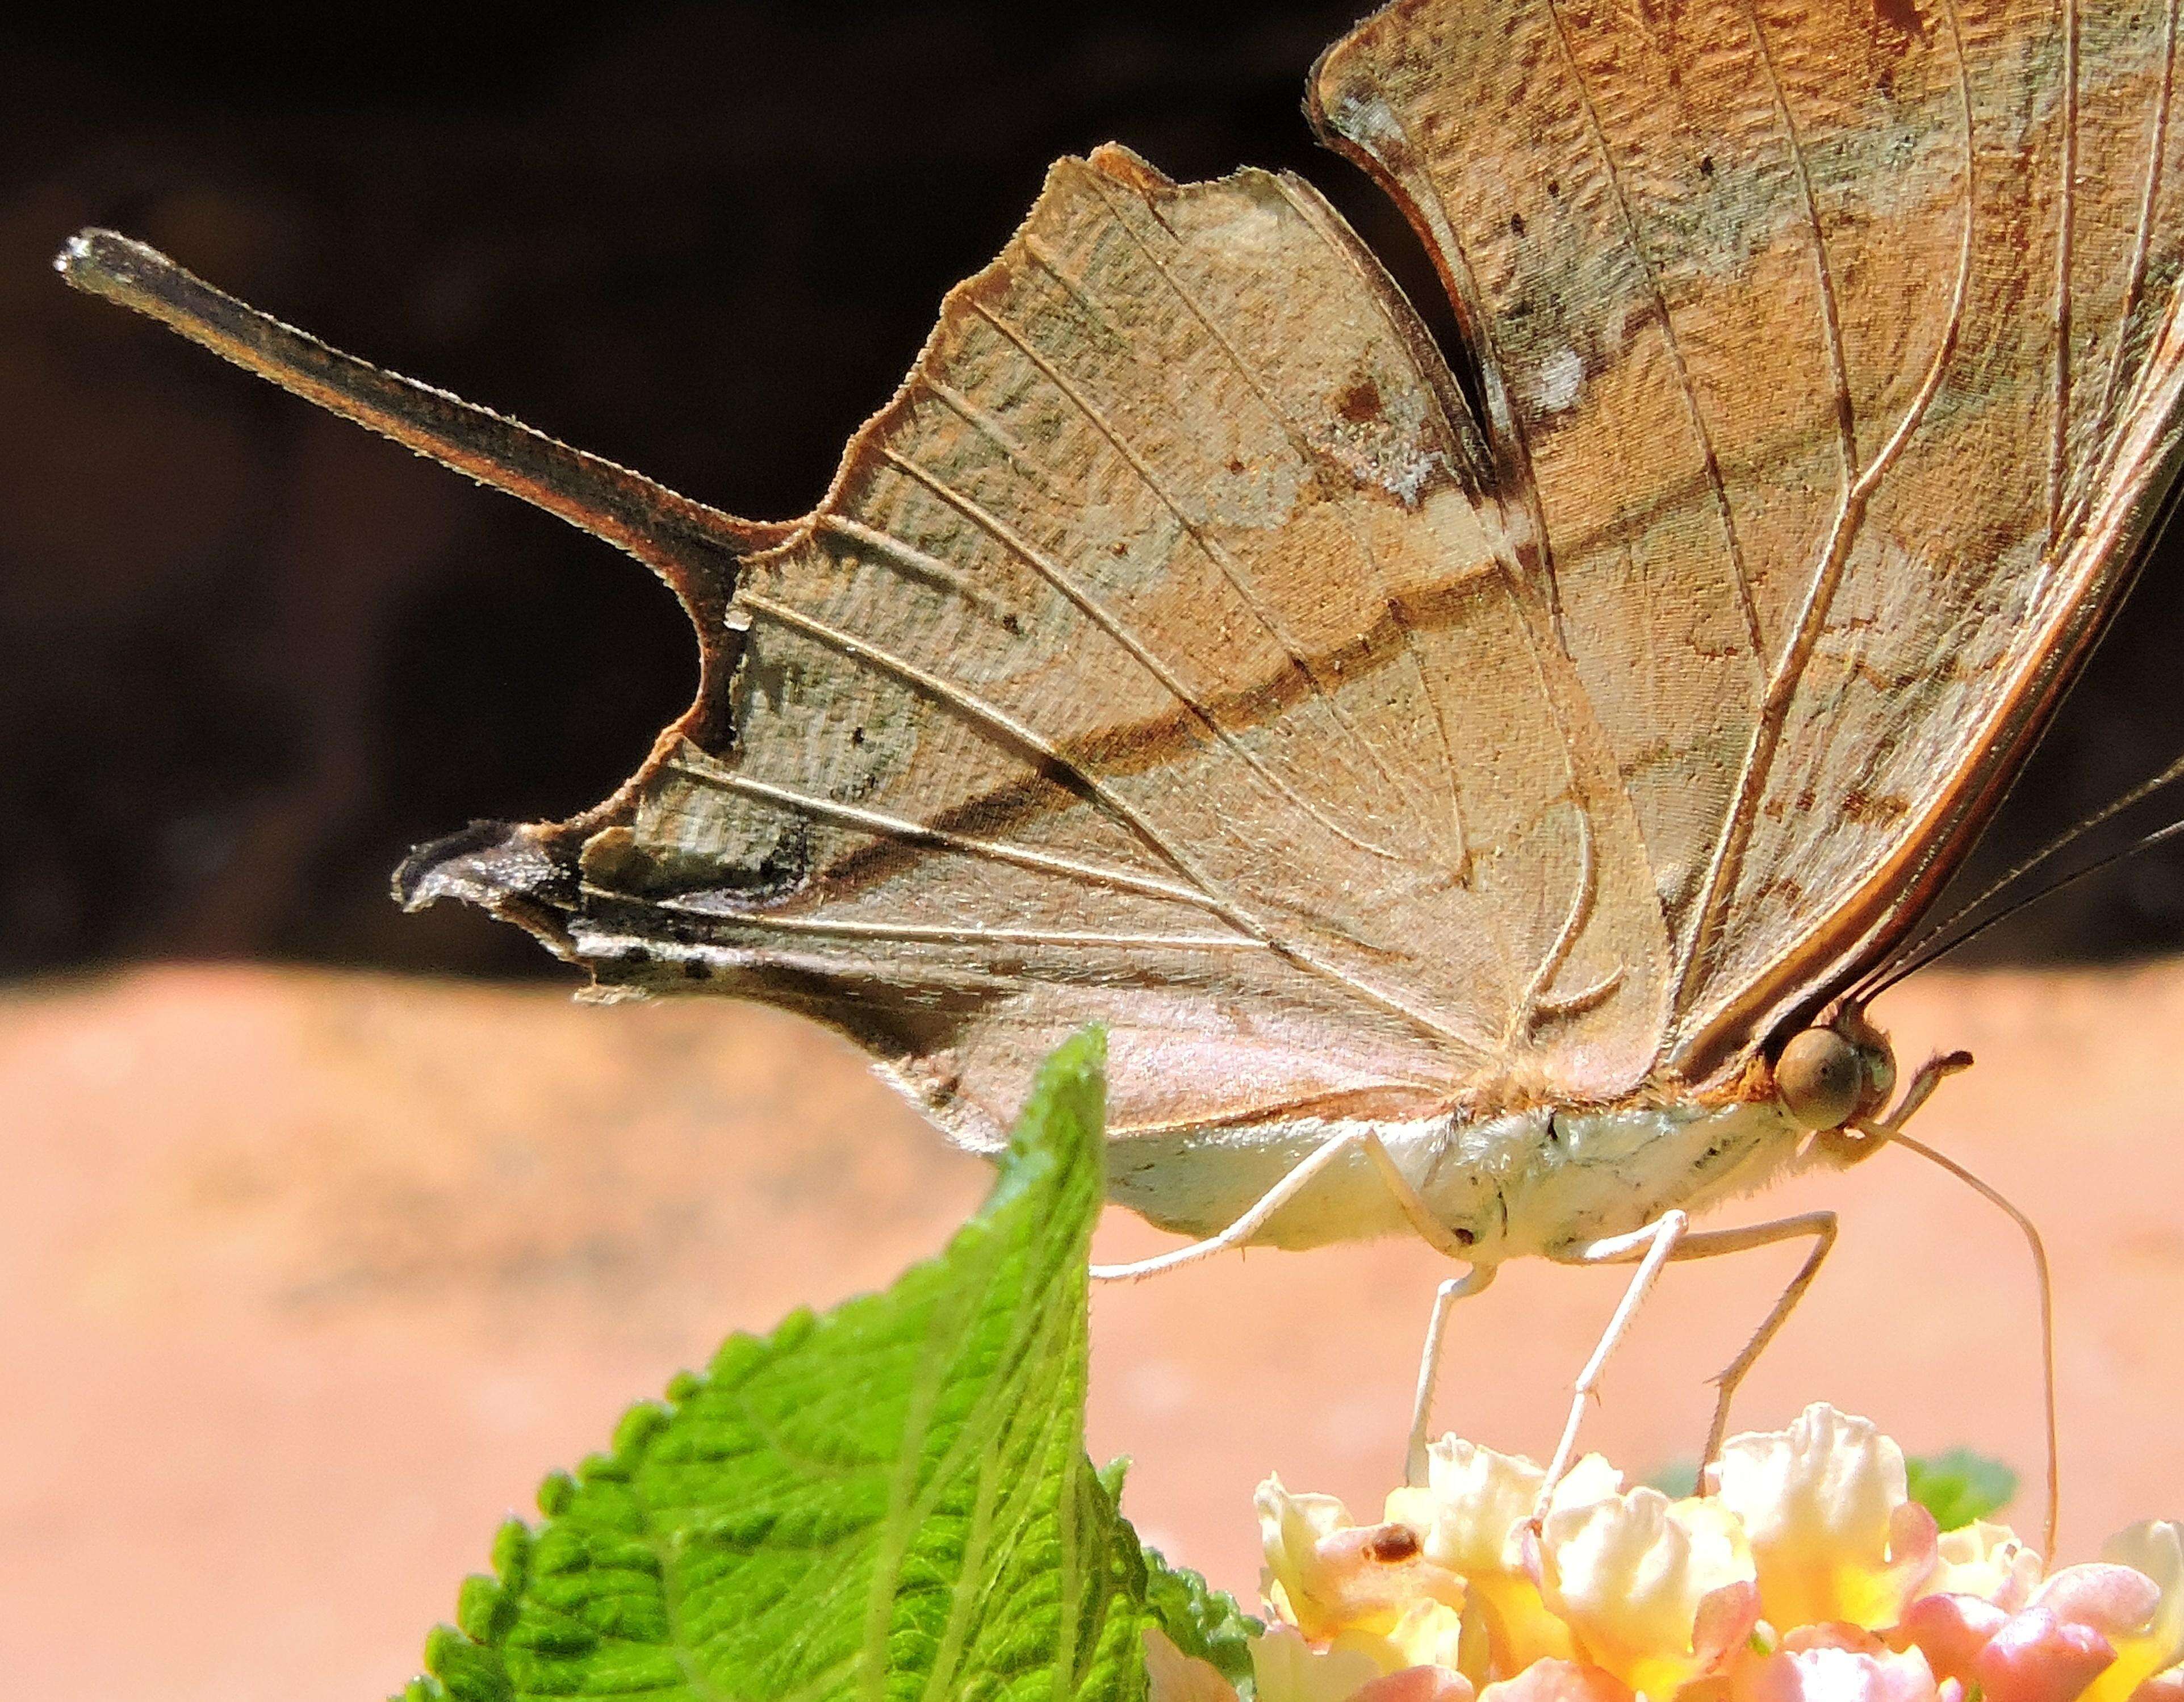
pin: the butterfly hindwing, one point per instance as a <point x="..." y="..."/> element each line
<point x="1156" y="659"/>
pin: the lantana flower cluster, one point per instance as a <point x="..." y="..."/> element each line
<point x="1807" y="1574"/>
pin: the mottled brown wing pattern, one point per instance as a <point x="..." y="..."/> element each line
<point x="1830" y="345"/>
<point x="1156" y="659"/>
<point x="1175" y="651"/>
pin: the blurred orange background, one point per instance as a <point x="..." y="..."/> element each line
<point x="316" y="1256"/>
<point x="311" y="1276"/>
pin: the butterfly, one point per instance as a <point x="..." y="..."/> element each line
<point x="1477" y="796"/>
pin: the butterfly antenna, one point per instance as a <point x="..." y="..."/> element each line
<point x="1960" y="927"/>
<point x="690" y="546"/>
<point x="1995" y="1198"/>
<point x="1944" y="937"/>
<point x="1936" y="947"/>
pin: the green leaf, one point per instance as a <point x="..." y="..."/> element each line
<point x="1200" y="1620"/>
<point x="888" y="1501"/>
<point x="1960" y="1486"/>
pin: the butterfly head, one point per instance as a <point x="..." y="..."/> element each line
<point x="1836" y="1072"/>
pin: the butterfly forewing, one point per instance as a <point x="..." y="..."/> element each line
<point x="1815" y="337"/>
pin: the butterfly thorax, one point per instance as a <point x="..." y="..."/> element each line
<point x="1564" y="1178"/>
<point x="1609" y="1171"/>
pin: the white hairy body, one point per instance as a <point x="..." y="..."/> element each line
<point x="1535" y="1182"/>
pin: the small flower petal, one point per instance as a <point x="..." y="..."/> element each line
<point x="1285" y="1668"/>
<point x="1473" y="1503"/>
<point x="1327" y="1576"/>
<point x="1418" y="1684"/>
<point x="1176" y="1676"/>
<point x="1990" y="1561"/>
<point x="2163" y="1687"/>
<point x="2155" y="1548"/>
<point x="1429" y="1633"/>
<point x="1471" y="1515"/>
<point x="1835" y="1633"/>
<point x="2116" y="1601"/>
<point x="1950" y="1631"/>
<point x="1658" y="1592"/>
<point x="1834" y="1532"/>
<point x="1559" y="1681"/>
<point x="1835" y="1675"/>
<point x="1292" y="1578"/>
<point x="1591" y="1479"/>
<point x="2038" y="1656"/>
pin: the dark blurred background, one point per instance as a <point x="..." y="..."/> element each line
<point x="249" y="654"/>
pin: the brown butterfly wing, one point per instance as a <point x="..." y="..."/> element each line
<point x="1174" y="651"/>
<point x="1156" y="659"/>
<point x="1831" y="343"/>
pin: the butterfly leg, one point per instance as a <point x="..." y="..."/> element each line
<point x="1455" y="1289"/>
<point x="1658" y="1242"/>
<point x="1705" y="1244"/>
<point x="1821" y="1227"/>
<point x="1322" y="1157"/>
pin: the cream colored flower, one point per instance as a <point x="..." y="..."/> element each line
<point x="1328" y="1577"/>
<point x="1828" y="1674"/>
<point x="1174" y="1676"/>
<point x="1618" y="1595"/>
<point x="2145" y="1650"/>
<point x="1471" y="1515"/>
<point x="1296" y="1582"/>
<point x="1429" y="1633"/>
<point x="1559" y="1681"/>
<point x="1285" y="1668"/>
<point x="1989" y="1561"/>
<point x="1658" y="1592"/>
<point x="2101" y="1632"/>
<point x="1834" y="1532"/>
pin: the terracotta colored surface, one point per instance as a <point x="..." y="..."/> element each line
<point x="307" y="1279"/>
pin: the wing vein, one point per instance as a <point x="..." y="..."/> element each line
<point x="1508" y="442"/>
<point x="1105" y="619"/>
<point x="1528" y="1009"/>
<point x="1051" y="757"/>
<point x="992" y="430"/>
<point x="1239" y="580"/>
<point x="2142" y="249"/>
<point x="966" y="933"/>
<point x="1326" y="238"/>
<point x="1823" y="268"/>
<point x="912" y="560"/>
<point x="2058" y="447"/>
<point x="1462" y="863"/>
<point x="1725" y="865"/>
<point x="1301" y="445"/>
<point x="1747" y="606"/>
<point x="969" y="845"/>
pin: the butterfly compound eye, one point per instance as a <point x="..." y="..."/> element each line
<point x="1820" y="1079"/>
